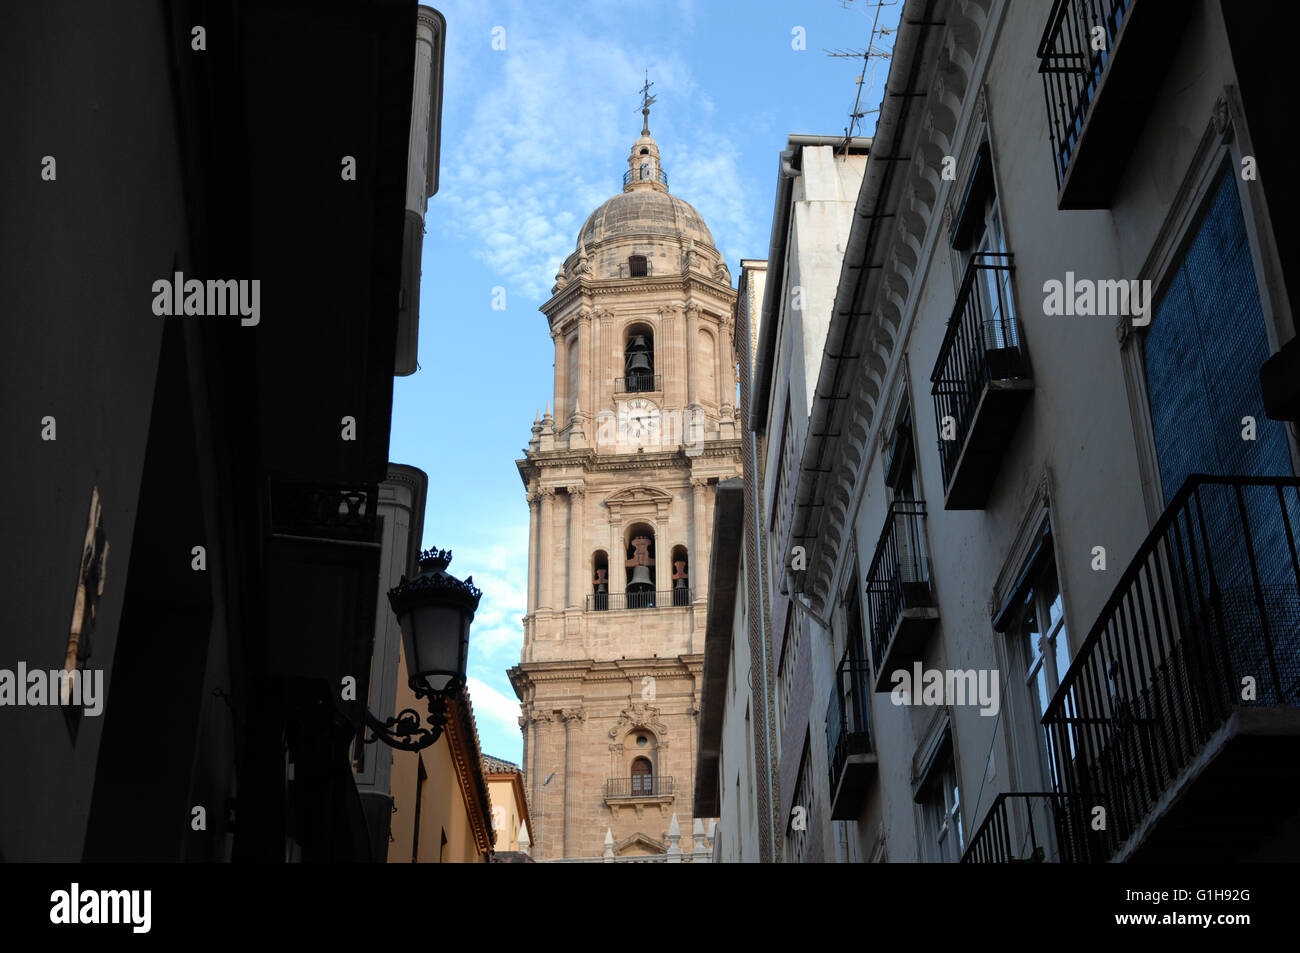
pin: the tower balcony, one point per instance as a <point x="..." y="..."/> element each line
<point x="638" y="382"/>
<point x="981" y="382"/>
<point x="650" y="599"/>
<point x="639" y="792"/>
<point x="1180" y="715"/>
<point x="899" y="594"/>
<point x="646" y="175"/>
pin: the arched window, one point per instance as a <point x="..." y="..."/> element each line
<point x="643" y="776"/>
<point x="600" y="581"/>
<point x="639" y="359"/>
<point x="640" y="563"/>
<point x="681" y="577"/>
<point x="637" y="266"/>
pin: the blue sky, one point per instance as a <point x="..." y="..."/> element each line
<point x="534" y="137"/>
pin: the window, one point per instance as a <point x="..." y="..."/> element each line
<point x="642" y="775"/>
<point x="640" y="567"/>
<point x="1202" y="352"/>
<point x="639" y="360"/>
<point x="1040" y="655"/>
<point x="941" y="810"/>
<point x="600" y="581"/>
<point x="978" y="236"/>
<point x="637" y="266"/>
<point x="681" y="577"/>
<point x="800" y="810"/>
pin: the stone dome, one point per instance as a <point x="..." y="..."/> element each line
<point x="645" y="212"/>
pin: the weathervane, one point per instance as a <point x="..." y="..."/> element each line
<point x="646" y="102"/>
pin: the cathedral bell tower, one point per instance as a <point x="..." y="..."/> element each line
<point x="619" y="485"/>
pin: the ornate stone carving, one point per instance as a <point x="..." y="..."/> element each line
<point x="639" y="715"/>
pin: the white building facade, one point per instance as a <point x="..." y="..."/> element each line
<point x="1050" y="603"/>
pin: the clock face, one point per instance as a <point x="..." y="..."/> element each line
<point x="639" y="421"/>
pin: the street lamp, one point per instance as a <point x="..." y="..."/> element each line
<point x="435" y="610"/>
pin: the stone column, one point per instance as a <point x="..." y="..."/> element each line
<point x="534" y="503"/>
<point x="579" y="584"/>
<point x="561" y="379"/>
<point x="546" y="552"/>
<point x="699" y="562"/>
<point x="692" y="323"/>
<point x="572" y="718"/>
<point x="617" y="556"/>
<point x="586" y="398"/>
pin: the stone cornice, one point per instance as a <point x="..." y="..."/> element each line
<point x="590" y="461"/>
<point x="585" y="287"/>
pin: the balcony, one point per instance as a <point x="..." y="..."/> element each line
<point x="663" y="599"/>
<point x="638" y="382"/>
<point x="1098" y="99"/>
<point x="899" y="594"/>
<point x="652" y="175"/>
<point x="848" y="738"/>
<point x="639" y="791"/>
<point x="980" y="383"/>
<point x="1180" y="716"/>
<point x="1021" y="828"/>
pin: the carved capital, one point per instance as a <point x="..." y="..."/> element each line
<point x="546" y="492"/>
<point x="572" y="715"/>
<point x="576" y="490"/>
<point x="699" y="483"/>
<point x="534" y="499"/>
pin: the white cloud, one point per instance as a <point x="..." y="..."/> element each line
<point x="492" y="705"/>
<point x="542" y="133"/>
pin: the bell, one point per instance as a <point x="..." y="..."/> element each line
<point x="638" y="362"/>
<point x="680" y="583"/>
<point x="641" y="577"/>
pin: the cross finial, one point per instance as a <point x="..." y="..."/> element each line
<point x="646" y="102"/>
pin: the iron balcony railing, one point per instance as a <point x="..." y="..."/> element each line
<point x="1212" y="597"/>
<point x="982" y="344"/>
<point x="1020" y="827"/>
<point x="899" y="577"/>
<point x="848" y="718"/>
<point x="650" y="599"/>
<point x="1072" y="66"/>
<point x="650" y="175"/>
<point x="644" y="785"/>
<point x="638" y="382"/>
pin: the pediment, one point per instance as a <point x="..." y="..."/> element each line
<point x="639" y="501"/>
<point x="639" y="845"/>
